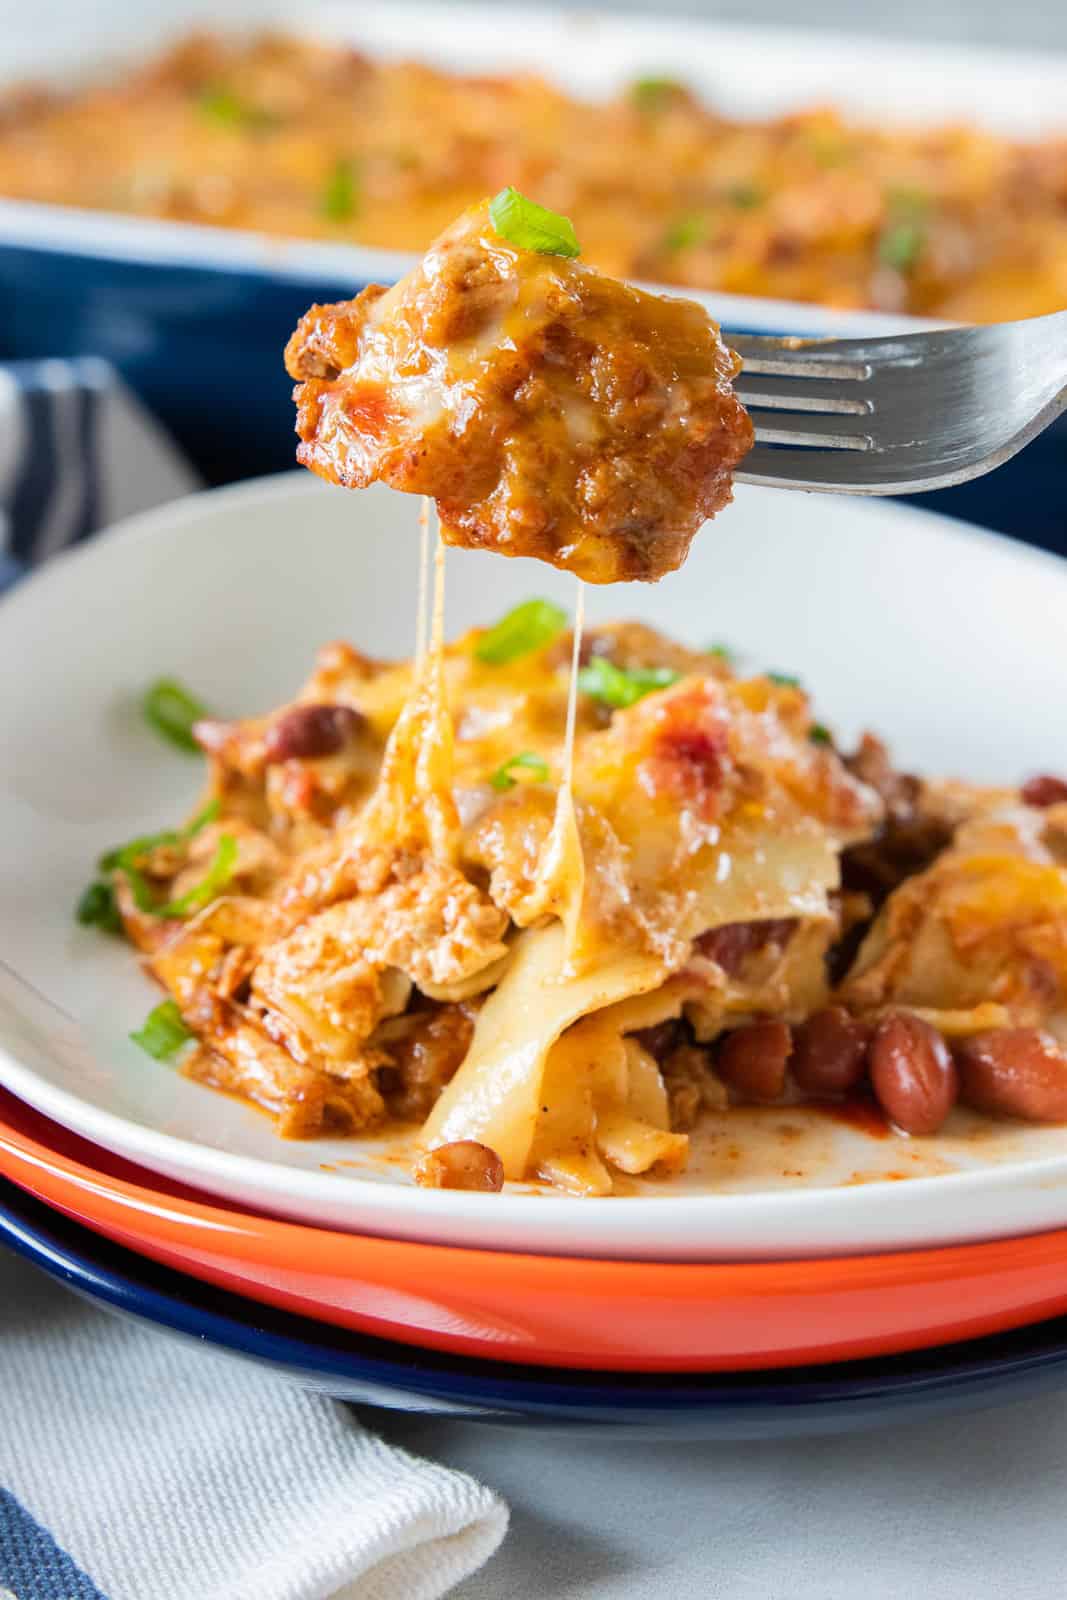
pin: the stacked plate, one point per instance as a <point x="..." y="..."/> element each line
<point x="822" y="1291"/>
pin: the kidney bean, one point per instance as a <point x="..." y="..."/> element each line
<point x="463" y="1164"/>
<point x="1044" y="790"/>
<point x="661" y="1038"/>
<point x="913" y="1075"/>
<point x="829" y="1052"/>
<point x="307" y="732"/>
<point x="1014" y="1072"/>
<point x="730" y="944"/>
<point x="752" y="1060"/>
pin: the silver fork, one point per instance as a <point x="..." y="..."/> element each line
<point x="901" y="414"/>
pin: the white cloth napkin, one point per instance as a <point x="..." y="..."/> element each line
<point x="139" y="1467"/>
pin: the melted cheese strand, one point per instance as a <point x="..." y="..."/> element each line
<point x="413" y="798"/>
<point x="434" y="762"/>
<point x="424" y="585"/>
<point x="437" y="636"/>
<point x="572" y="691"/>
<point x="559" y="888"/>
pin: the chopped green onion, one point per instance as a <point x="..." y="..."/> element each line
<point x="527" y="761"/>
<point x="530" y="226"/>
<point x="96" y="908"/>
<point x="223" y="106"/>
<point x="163" y="1032"/>
<point x="685" y="233"/>
<point x="125" y="858"/>
<point x="340" y="196"/>
<point x="819" y="734"/>
<point x="126" y="854"/>
<point x="745" y="196"/>
<point x="721" y="651"/>
<point x="654" y="94"/>
<point x="172" y="710"/>
<point x="899" y="247"/>
<point x="785" y="680"/>
<point x="218" y="875"/>
<point x="904" y="234"/>
<point x="615" y="687"/>
<point x="529" y="627"/>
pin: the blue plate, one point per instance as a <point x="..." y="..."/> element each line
<point x="804" y="1400"/>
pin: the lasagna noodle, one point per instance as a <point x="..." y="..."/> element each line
<point x="495" y="1096"/>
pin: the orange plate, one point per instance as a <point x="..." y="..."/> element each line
<point x="547" y="1310"/>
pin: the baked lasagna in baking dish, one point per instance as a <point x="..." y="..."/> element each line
<point x="294" y="137"/>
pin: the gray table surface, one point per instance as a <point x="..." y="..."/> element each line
<point x="969" y="1508"/>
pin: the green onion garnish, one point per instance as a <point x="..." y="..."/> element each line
<point x="785" y="680"/>
<point x="125" y="859"/>
<point x="745" y="196"/>
<point x="128" y="854"/>
<point x="527" y="761"/>
<point x="340" y="197"/>
<point x="530" y="626"/>
<point x="163" y="1032"/>
<point x="904" y="234"/>
<point x="218" y="875"/>
<point x="615" y="687"/>
<point x="97" y="909"/>
<point x="899" y="246"/>
<point x="530" y="226"/>
<point x="685" y="233"/>
<point x="654" y="94"/>
<point x="721" y="651"/>
<point x="223" y="106"/>
<point x="172" y="710"/>
<point x="820" y="734"/>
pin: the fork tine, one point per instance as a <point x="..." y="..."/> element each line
<point x="801" y="358"/>
<point x="767" y="434"/>
<point x="828" y="431"/>
<point x="799" y="394"/>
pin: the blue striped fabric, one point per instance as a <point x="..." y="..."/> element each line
<point x="49" y="456"/>
<point x="32" y="1565"/>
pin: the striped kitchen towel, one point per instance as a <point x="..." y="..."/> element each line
<point x="77" y="452"/>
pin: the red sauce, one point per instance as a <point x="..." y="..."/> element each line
<point x="366" y="405"/>
<point x="857" y="1112"/>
